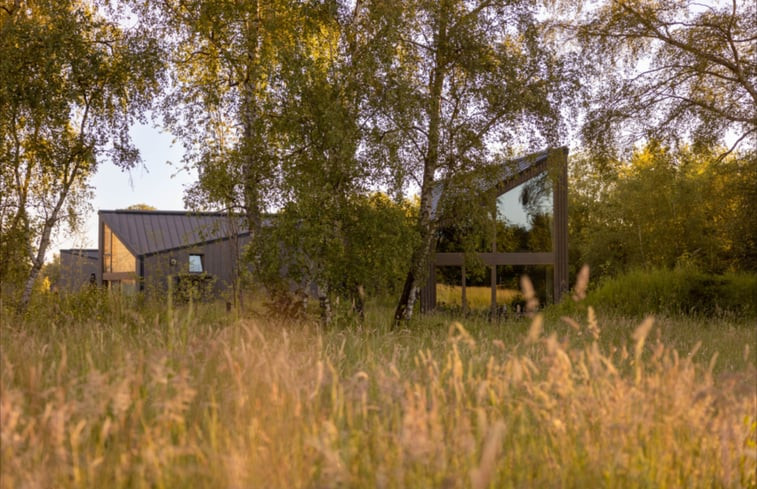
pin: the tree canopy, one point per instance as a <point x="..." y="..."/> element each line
<point x="454" y="84"/>
<point x="331" y="112"/>
<point x="661" y="208"/>
<point x="71" y="85"/>
<point x="141" y="207"/>
<point x="676" y="71"/>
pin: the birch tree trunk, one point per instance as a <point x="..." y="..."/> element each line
<point x="422" y="253"/>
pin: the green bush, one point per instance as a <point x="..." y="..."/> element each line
<point x="683" y="290"/>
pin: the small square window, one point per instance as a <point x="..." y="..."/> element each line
<point x="195" y="264"/>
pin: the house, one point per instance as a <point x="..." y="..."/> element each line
<point x="143" y="250"/>
<point x="525" y="204"/>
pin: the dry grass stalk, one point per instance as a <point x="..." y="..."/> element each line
<point x="252" y="404"/>
<point x="529" y="294"/>
<point x="535" y="330"/>
<point x="582" y="284"/>
<point x="481" y="476"/>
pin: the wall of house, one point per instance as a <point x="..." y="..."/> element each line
<point x="75" y="269"/>
<point x="531" y="234"/>
<point x="218" y="260"/>
<point x="116" y="257"/>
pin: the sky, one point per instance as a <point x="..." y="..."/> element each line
<point x="158" y="182"/>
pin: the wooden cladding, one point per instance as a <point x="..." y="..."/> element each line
<point x="116" y="257"/>
<point x="113" y="276"/>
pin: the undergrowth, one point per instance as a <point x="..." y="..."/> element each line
<point x="674" y="292"/>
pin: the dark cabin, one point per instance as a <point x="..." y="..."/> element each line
<point x="524" y="206"/>
<point x="143" y="250"/>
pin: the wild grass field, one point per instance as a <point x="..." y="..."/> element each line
<point x="477" y="297"/>
<point x="97" y="393"/>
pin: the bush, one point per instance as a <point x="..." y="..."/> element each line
<point x="683" y="290"/>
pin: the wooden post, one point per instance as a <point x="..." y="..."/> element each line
<point x="493" y="308"/>
<point x="428" y="291"/>
<point x="464" y="302"/>
<point x="559" y="158"/>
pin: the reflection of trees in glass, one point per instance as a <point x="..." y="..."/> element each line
<point x="524" y="217"/>
<point x="464" y="236"/>
<point x="536" y="195"/>
<point x="524" y="224"/>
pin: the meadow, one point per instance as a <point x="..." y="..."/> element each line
<point x="101" y="392"/>
<point x="477" y="297"/>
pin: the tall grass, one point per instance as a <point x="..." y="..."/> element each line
<point x="196" y="399"/>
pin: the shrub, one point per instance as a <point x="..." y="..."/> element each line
<point x="683" y="290"/>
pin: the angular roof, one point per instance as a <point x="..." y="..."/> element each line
<point x="149" y="232"/>
<point x="497" y="174"/>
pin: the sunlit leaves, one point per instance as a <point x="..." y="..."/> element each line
<point x="456" y="83"/>
<point x="663" y="208"/>
<point x="71" y="84"/>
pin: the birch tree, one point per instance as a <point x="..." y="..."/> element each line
<point x="454" y="84"/>
<point x="680" y="71"/>
<point x="332" y="228"/>
<point x="71" y="84"/>
<point x="224" y="98"/>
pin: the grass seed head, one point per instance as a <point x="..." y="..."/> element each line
<point x="582" y="283"/>
<point x="529" y="294"/>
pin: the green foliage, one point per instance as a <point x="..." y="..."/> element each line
<point x="454" y="82"/>
<point x="71" y="85"/>
<point x="663" y="208"/>
<point x="680" y="291"/>
<point x="680" y="71"/>
<point x="193" y="287"/>
<point x="364" y="242"/>
<point x="55" y="307"/>
<point x="51" y="272"/>
<point x="231" y="66"/>
<point x="141" y="207"/>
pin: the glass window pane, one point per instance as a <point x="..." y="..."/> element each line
<point x="122" y="259"/>
<point x="525" y="215"/>
<point x="195" y="263"/>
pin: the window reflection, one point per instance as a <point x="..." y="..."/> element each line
<point x="195" y="264"/>
<point x="524" y="217"/>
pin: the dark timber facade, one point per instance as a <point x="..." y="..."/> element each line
<point x="143" y="250"/>
<point x="77" y="267"/>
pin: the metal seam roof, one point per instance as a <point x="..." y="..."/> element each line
<point x="149" y="232"/>
<point x="89" y="253"/>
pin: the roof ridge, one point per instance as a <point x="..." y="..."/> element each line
<point x="168" y="212"/>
